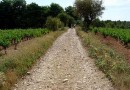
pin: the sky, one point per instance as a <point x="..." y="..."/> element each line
<point x="114" y="9"/>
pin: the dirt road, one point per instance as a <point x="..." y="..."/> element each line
<point x="66" y="66"/>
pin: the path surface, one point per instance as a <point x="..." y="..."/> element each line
<point x="66" y="66"/>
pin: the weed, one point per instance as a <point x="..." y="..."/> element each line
<point x="113" y="64"/>
<point x="17" y="62"/>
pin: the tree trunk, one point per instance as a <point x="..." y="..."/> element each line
<point x="86" y="24"/>
<point x="5" y="50"/>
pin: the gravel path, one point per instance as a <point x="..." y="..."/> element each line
<point x="66" y="66"/>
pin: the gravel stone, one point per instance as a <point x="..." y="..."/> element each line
<point x="66" y="61"/>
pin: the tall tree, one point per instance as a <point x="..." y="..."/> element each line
<point x="34" y="15"/>
<point x="70" y="10"/>
<point x="64" y="18"/>
<point x="5" y="14"/>
<point x="19" y="8"/>
<point x="55" y="9"/>
<point x="89" y="10"/>
<point x="45" y="14"/>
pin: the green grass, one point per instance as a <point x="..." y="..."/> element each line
<point x="107" y="60"/>
<point x="17" y="62"/>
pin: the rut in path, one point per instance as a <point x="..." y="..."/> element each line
<point x="66" y="66"/>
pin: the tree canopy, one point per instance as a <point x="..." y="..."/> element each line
<point x="18" y="14"/>
<point x="55" y="9"/>
<point x="89" y="10"/>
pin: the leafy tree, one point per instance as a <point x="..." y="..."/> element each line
<point x="71" y="11"/>
<point x="45" y="14"/>
<point x="89" y="10"/>
<point x="19" y="7"/>
<point x="111" y="24"/>
<point x="96" y="23"/>
<point x="64" y="18"/>
<point x="6" y="14"/>
<point x="34" y="15"/>
<point x="53" y="23"/>
<point x="55" y="9"/>
<point x="71" y="21"/>
<point x="18" y="14"/>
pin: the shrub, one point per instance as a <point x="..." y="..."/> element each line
<point x="110" y="62"/>
<point x="53" y="23"/>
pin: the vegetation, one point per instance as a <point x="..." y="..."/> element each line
<point x="17" y="62"/>
<point x="17" y="16"/>
<point x="111" y="24"/>
<point x="13" y="37"/>
<point x="120" y="34"/>
<point x="66" y="19"/>
<point x="72" y="12"/>
<point x="111" y="63"/>
<point x="89" y="10"/>
<point x="53" y="23"/>
<point x="55" y="9"/>
<point x="21" y="15"/>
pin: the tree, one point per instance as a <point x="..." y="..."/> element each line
<point x="45" y="14"/>
<point x="18" y="14"/>
<point x="5" y="14"/>
<point x="19" y="8"/>
<point x="71" y="21"/>
<point x="71" y="11"/>
<point x="64" y="18"/>
<point x="89" y="10"/>
<point x="55" y="9"/>
<point x="34" y="15"/>
<point x="53" y="23"/>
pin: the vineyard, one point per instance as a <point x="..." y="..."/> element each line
<point x="120" y="34"/>
<point x="13" y="37"/>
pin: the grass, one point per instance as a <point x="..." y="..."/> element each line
<point x="17" y="62"/>
<point x="107" y="60"/>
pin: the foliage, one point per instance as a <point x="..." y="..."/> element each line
<point x="71" y="21"/>
<point x="53" y="23"/>
<point x="114" y="65"/>
<point x="55" y="9"/>
<point x="13" y="37"/>
<point x="89" y="10"/>
<point x="66" y="19"/>
<point x="72" y="12"/>
<point x="16" y="64"/>
<point x="17" y="14"/>
<point x="120" y="34"/>
<point x="34" y="16"/>
<point x="111" y="24"/>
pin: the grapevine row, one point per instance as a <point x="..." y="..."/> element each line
<point x="13" y="37"/>
<point x="120" y="34"/>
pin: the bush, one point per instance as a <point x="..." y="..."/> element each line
<point x="53" y="23"/>
<point x="64" y="18"/>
